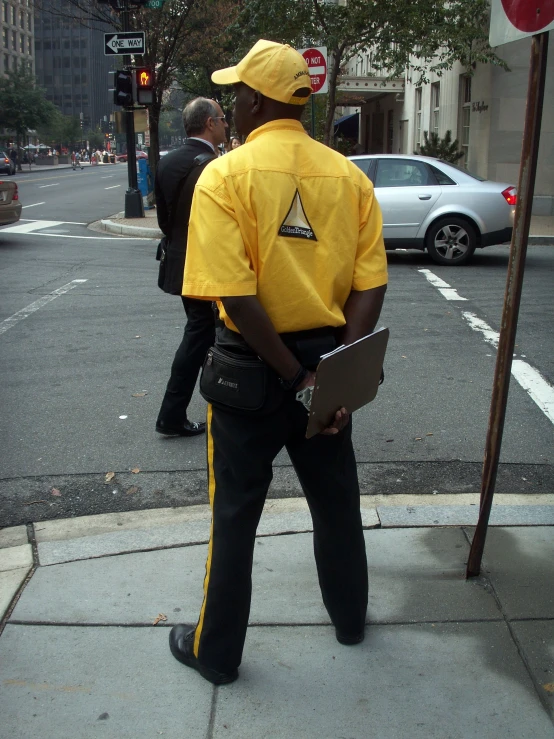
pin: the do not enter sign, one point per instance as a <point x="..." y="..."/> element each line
<point x="316" y="58"/>
<point x="515" y="19"/>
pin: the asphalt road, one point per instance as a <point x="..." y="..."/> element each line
<point x="87" y="339"/>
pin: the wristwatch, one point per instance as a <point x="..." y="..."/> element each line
<point x="296" y="380"/>
<point x="305" y="396"/>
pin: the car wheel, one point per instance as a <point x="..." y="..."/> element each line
<point x="451" y="241"/>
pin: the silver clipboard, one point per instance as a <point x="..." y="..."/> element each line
<point x="347" y="378"/>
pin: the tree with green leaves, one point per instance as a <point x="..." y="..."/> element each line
<point x="441" y="148"/>
<point x="61" y="130"/>
<point x="181" y="34"/>
<point x="413" y="36"/>
<point x="24" y="105"/>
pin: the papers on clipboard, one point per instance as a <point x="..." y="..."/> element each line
<point x="347" y="377"/>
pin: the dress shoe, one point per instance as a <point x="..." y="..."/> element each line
<point x="349" y="639"/>
<point x="181" y="643"/>
<point x="189" y="428"/>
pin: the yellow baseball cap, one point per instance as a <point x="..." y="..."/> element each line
<point x="275" y="70"/>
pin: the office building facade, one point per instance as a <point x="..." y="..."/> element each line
<point x="18" y="24"/>
<point x="71" y="65"/>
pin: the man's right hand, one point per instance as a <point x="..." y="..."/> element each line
<point x="340" y="421"/>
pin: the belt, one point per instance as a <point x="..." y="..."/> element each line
<point x="307" y="346"/>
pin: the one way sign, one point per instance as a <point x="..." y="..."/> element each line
<point x="125" y="42"/>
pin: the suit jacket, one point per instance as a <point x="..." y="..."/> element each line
<point x="171" y="170"/>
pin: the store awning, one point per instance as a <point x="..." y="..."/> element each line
<point x="348" y="125"/>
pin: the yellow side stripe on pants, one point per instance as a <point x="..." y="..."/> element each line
<point x="211" y="492"/>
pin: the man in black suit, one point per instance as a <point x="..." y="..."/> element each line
<point x="205" y="127"/>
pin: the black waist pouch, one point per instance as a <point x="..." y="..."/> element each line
<point x="239" y="383"/>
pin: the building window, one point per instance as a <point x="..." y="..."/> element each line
<point x="21" y="43"/>
<point x="38" y="45"/>
<point x="83" y="62"/>
<point x="22" y="19"/>
<point x="418" y="96"/>
<point x="5" y="38"/>
<point x="13" y="15"/>
<point x="14" y="41"/>
<point x="47" y="45"/>
<point x="83" y="43"/>
<point x="6" y="62"/>
<point x="465" y="115"/>
<point x="29" y="22"/>
<point x="435" y="100"/>
<point x="67" y="44"/>
<point x="5" y="11"/>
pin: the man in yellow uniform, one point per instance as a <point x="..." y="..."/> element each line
<point x="286" y="235"/>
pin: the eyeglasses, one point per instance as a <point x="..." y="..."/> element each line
<point x="218" y="118"/>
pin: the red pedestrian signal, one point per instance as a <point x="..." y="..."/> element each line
<point x="144" y="82"/>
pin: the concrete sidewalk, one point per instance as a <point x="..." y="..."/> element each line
<point x="443" y="657"/>
<point x="541" y="230"/>
<point x="35" y="168"/>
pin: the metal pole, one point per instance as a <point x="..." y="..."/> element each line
<point x="134" y="207"/>
<point x="313" y="115"/>
<point x="512" y="295"/>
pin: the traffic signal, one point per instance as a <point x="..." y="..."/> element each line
<point x="144" y="85"/>
<point x="123" y="92"/>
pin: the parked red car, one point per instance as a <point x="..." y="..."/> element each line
<point x="140" y="155"/>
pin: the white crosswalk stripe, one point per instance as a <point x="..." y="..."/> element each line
<point x="25" y="228"/>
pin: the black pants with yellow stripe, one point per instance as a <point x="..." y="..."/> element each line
<point x="241" y="451"/>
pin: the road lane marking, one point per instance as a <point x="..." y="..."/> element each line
<point x="35" y="220"/>
<point x="107" y="177"/>
<point x="538" y="388"/>
<point x="111" y="187"/>
<point x="8" y="323"/>
<point x="98" y="238"/>
<point x="54" y="184"/>
<point x="449" y="292"/>
<point x="33" y="205"/>
<point x="530" y="379"/>
<point x="26" y="228"/>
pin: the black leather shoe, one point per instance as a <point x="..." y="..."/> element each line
<point x="189" y="428"/>
<point x="350" y="639"/>
<point x="181" y="643"/>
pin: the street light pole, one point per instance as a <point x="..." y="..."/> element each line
<point x="134" y="207"/>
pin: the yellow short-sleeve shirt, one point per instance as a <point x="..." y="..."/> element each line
<point x="289" y="220"/>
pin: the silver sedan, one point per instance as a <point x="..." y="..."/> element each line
<point x="433" y="205"/>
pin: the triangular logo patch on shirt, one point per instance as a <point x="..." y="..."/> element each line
<point x="296" y="224"/>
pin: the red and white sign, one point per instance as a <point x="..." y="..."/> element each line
<point x="515" y="19"/>
<point x="316" y="58"/>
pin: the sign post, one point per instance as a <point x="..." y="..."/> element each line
<point x="511" y="20"/>
<point x="316" y="58"/>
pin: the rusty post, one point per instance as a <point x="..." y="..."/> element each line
<point x="512" y="295"/>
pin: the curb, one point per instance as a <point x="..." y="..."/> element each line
<point x="125" y="230"/>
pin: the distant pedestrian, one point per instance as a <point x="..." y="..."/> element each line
<point x="176" y="177"/>
<point x="235" y="143"/>
<point x="78" y="159"/>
